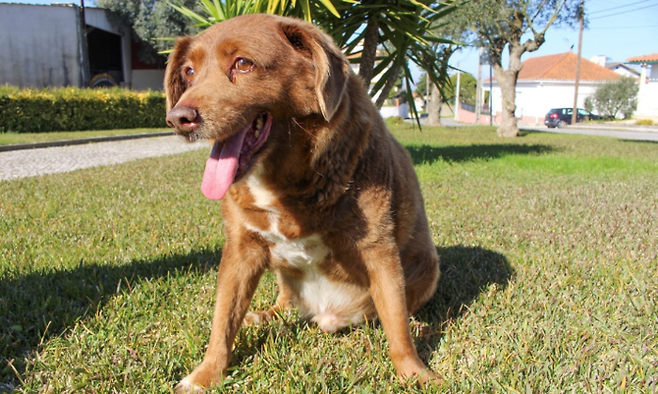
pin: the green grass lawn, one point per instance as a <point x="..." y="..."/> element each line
<point x="28" y="138"/>
<point x="549" y="247"/>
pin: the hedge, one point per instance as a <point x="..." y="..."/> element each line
<point x="73" y="109"/>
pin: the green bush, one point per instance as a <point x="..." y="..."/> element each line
<point x="614" y="98"/>
<point x="73" y="109"/>
<point x="644" y="122"/>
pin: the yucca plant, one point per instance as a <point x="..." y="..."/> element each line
<point x="217" y="11"/>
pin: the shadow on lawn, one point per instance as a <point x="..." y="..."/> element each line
<point x="28" y="303"/>
<point x="640" y="141"/>
<point x="465" y="273"/>
<point x="39" y="306"/>
<point x="456" y="154"/>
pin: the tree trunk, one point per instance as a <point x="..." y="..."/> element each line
<point x="508" y="127"/>
<point x="388" y="86"/>
<point x="507" y="82"/>
<point x="369" y="53"/>
<point x="434" y="107"/>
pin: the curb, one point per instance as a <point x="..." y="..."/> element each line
<point x="51" y="144"/>
<point x="649" y="129"/>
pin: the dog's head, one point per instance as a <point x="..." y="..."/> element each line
<point x="244" y="79"/>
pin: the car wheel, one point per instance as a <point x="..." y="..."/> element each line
<point x="103" y="81"/>
<point x="561" y="124"/>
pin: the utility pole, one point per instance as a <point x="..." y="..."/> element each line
<point x="478" y="93"/>
<point x="491" y="114"/>
<point x="581" y="16"/>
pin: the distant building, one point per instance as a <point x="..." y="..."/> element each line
<point x="618" y="67"/>
<point x="547" y="82"/>
<point x="647" y="98"/>
<point x="46" y="46"/>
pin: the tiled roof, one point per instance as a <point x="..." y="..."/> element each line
<point x="562" y="67"/>
<point x="652" y="58"/>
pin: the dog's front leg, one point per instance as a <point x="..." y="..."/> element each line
<point x="239" y="272"/>
<point x="388" y="294"/>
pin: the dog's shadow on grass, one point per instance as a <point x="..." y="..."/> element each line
<point x="427" y="154"/>
<point x="42" y="305"/>
<point x="466" y="272"/>
<point x="39" y="306"/>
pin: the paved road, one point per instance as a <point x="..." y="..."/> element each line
<point x="621" y="134"/>
<point x="35" y="162"/>
<point x="628" y="133"/>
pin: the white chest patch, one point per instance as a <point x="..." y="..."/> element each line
<point x="321" y="299"/>
<point x="303" y="252"/>
<point x="263" y="197"/>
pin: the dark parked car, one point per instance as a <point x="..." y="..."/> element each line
<point x="560" y="117"/>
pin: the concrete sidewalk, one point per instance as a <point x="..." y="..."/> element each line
<point x="624" y="132"/>
<point x="80" y="141"/>
<point x="616" y="127"/>
<point x="41" y="161"/>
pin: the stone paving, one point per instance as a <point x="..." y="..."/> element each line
<point x="35" y="162"/>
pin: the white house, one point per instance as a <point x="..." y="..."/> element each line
<point x="647" y="98"/>
<point x="547" y="82"/>
<point x="618" y="67"/>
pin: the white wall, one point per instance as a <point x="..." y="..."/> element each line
<point x="535" y="99"/>
<point x="647" y="98"/>
<point x="624" y="72"/>
<point x="40" y="45"/>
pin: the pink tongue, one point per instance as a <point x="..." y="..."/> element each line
<point x="222" y="166"/>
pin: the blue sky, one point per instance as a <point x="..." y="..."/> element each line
<point x="618" y="29"/>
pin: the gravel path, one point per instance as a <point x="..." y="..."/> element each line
<point x="35" y="162"/>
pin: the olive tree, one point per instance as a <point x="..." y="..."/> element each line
<point x="615" y="98"/>
<point x="516" y="25"/>
<point x="153" y="23"/>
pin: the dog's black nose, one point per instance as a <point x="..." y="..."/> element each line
<point x="183" y="119"/>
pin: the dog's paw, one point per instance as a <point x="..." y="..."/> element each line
<point x="187" y="386"/>
<point x="428" y="378"/>
<point x="256" y="318"/>
<point x="330" y="322"/>
<point x="202" y="378"/>
<point x="414" y="371"/>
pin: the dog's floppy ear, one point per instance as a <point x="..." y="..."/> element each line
<point x="174" y="83"/>
<point x="331" y="68"/>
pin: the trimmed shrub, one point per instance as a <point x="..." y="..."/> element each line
<point x="73" y="109"/>
<point x="614" y="98"/>
<point x="644" y="122"/>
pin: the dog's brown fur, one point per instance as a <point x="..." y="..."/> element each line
<point x="330" y="178"/>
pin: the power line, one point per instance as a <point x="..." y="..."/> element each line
<point x="624" y="12"/>
<point x="622" y="27"/>
<point x="621" y="6"/>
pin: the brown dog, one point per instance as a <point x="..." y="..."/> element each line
<point x="314" y="186"/>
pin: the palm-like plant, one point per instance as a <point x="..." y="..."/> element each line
<point x="402" y="30"/>
<point x="217" y="11"/>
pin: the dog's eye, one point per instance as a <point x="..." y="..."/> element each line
<point x="243" y="65"/>
<point x="189" y="74"/>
